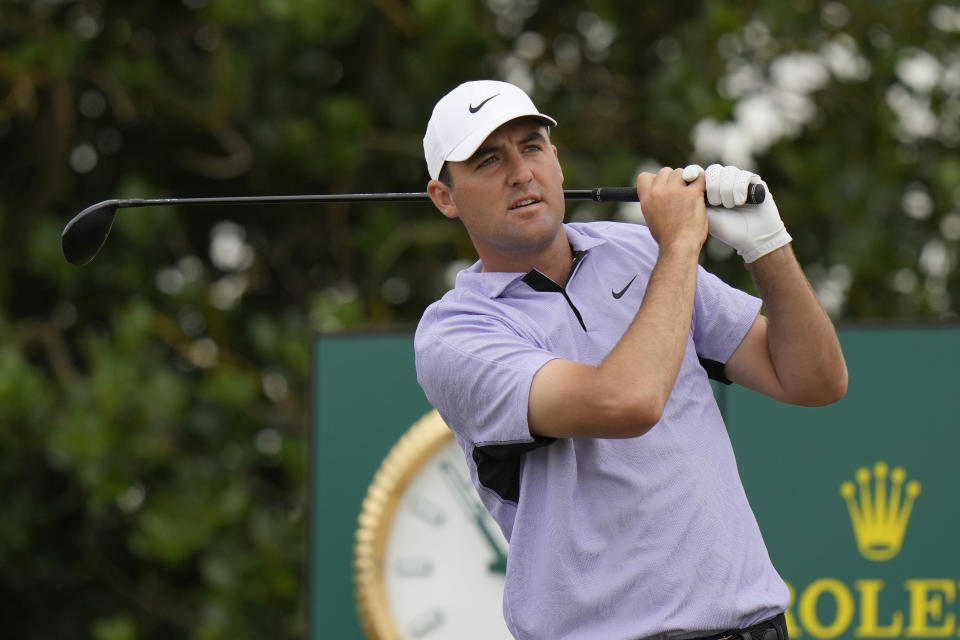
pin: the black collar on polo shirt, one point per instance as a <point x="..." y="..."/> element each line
<point x="539" y="282"/>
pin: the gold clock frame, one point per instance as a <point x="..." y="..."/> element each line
<point x="421" y="441"/>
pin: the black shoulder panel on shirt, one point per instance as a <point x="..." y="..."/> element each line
<point x="498" y="465"/>
<point x="715" y="370"/>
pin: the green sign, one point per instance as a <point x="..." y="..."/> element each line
<point x="365" y="395"/>
<point x="856" y="501"/>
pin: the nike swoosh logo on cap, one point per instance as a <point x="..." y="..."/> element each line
<point x="474" y="109"/>
<point x="619" y="294"/>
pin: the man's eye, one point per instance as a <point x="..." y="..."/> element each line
<point x="487" y="161"/>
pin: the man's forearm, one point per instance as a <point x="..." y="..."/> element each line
<point x="801" y="338"/>
<point x="650" y="352"/>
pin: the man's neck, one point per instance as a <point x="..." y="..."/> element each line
<point x="555" y="262"/>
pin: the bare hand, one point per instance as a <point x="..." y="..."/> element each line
<point x="673" y="208"/>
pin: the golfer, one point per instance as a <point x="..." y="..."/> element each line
<point x="572" y="363"/>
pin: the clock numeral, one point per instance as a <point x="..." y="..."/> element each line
<point x="427" y="510"/>
<point x="426" y="623"/>
<point x="413" y="567"/>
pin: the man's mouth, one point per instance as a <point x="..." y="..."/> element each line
<point x="524" y="203"/>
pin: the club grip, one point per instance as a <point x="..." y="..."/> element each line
<point x="756" y="194"/>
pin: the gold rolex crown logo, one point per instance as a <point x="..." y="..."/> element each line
<point x="880" y="515"/>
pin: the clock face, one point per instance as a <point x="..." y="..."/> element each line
<point x="435" y="559"/>
<point x="445" y="556"/>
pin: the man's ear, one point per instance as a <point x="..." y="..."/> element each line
<point x="442" y="198"/>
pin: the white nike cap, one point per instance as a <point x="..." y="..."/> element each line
<point x="464" y="118"/>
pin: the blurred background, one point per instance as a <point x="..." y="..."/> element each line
<point x="154" y="404"/>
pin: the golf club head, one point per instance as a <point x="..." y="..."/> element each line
<point x="85" y="234"/>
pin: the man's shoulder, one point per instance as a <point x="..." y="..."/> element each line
<point x="453" y="306"/>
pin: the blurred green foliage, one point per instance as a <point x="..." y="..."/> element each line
<point x="153" y="404"/>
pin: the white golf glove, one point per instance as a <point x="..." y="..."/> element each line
<point x="754" y="230"/>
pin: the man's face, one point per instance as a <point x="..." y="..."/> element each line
<point x="509" y="195"/>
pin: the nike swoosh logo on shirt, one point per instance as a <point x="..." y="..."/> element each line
<point x="619" y="294"/>
<point x="474" y="109"/>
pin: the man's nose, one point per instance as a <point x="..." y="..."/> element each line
<point x="519" y="171"/>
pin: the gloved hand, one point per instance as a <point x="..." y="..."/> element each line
<point x="754" y="230"/>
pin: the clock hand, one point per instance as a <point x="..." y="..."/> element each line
<point x="476" y="511"/>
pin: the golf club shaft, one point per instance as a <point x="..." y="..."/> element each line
<point x="598" y="194"/>
<point x="85" y="234"/>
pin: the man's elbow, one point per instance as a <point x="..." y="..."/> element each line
<point x="629" y="417"/>
<point x="829" y="389"/>
<point x="838" y="389"/>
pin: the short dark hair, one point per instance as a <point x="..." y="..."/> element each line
<point x="445" y="176"/>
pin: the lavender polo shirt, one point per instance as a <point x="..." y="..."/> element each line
<point x="616" y="539"/>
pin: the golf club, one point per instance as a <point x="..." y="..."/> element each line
<point x="85" y="234"/>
